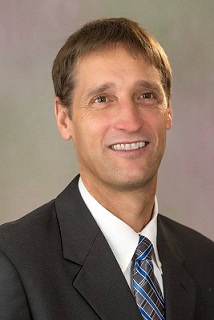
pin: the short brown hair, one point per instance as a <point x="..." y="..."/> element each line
<point x="103" y="34"/>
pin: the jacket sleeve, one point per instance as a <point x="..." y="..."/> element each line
<point x="13" y="301"/>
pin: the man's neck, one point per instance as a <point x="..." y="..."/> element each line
<point x="133" y="206"/>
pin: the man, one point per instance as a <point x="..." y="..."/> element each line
<point x="76" y="256"/>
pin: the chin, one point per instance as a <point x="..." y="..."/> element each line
<point x="133" y="183"/>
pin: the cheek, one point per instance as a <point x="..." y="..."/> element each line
<point x="157" y="121"/>
<point x="162" y="119"/>
<point x="157" y="125"/>
<point x="97" y="126"/>
<point x="88" y="134"/>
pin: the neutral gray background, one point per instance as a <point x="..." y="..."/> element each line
<point x="35" y="164"/>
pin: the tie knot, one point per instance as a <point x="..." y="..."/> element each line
<point x="143" y="250"/>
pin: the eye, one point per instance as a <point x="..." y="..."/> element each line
<point x="101" y="99"/>
<point x="147" y="95"/>
<point x="148" y="99"/>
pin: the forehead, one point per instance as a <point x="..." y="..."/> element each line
<point x="116" y="66"/>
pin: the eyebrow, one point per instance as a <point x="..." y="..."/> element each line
<point x="149" y="85"/>
<point x="100" y="89"/>
<point x="105" y="86"/>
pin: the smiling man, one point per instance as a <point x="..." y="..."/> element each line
<point x="121" y="112"/>
<point x="100" y="250"/>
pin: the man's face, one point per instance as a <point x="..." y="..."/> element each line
<point x="119" y="120"/>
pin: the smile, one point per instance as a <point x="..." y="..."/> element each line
<point x="128" y="146"/>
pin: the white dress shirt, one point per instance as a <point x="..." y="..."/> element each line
<point x="122" y="239"/>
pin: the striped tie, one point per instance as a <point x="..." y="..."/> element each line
<point x="146" y="288"/>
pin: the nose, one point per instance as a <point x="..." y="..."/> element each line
<point x="128" y="117"/>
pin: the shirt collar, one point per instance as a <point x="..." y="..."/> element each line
<point x="121" y="238"/>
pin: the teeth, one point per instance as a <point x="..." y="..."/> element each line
<point x="128" y="146"/>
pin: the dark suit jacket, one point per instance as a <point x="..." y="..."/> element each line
<point x="56" y="264"/>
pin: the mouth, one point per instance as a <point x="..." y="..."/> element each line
<point x="129" y="146"/>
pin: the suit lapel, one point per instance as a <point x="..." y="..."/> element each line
<point x="99" y="280"/>
<point x="103" y="285"/>
<point x="179" y="287"/>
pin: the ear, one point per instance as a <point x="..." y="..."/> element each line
<point x="169" y="116"/>
<point x="64" y="123"/>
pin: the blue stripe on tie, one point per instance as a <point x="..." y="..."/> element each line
<point x="145" y="253"/>
<point x="145" y="275"/>
<point x="148" y="299"/>
<point x="146" y="316"/>
<point x="149" y="262"/>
